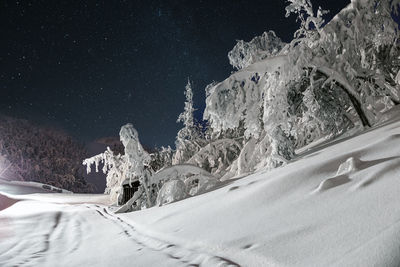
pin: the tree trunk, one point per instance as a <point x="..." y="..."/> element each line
<point x="357" y="106"/>
<point x="356" y="103"/>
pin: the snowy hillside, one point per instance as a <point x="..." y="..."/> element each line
<point x="296" y="163"/>
<point x="336" y="205"/>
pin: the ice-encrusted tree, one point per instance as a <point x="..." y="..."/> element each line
<point x="373" y="36"/>
<point x="350" y="52"/>
<point x="330" y="77"/>
<point x="134" y="164"/>
<point x="187" y="139"/>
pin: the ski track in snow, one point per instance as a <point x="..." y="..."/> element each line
<point x="34" y="249"/>
<point x="60" y="233"/>
<point x="185" y="256"/>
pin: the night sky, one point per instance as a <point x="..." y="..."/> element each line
<point x="89" y="67"/>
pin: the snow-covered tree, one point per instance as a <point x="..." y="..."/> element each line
<point x="134" y="164"/>
<point x="255" y="97"/>
<point x="137" y="162"/>
<point x="187" y="139"/>
<point x="113" y="166"/>
<point x="331" y="77"/>
<point x="350" y="52"/>
<point x="41" y="154"/>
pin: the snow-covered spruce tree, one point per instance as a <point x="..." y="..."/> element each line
<point x="120" y="168"/>
<point x="187" y="139"/>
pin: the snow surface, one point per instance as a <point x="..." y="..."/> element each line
<point x="337" y="205"/>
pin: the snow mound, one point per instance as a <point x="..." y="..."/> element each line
<point x="171" y="191"/>
<point x="332" y="182"/>
<point x="360" y="173"/>
<point x="195" y="179"/>
<point x="350" y="165"/>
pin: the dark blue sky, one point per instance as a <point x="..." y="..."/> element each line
<point x="91" y="66"/>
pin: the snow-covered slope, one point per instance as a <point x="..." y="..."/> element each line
<point x="337" y="205"/>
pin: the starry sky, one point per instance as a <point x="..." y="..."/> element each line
<point x="89" y="67"/>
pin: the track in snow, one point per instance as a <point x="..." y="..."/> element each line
<point x="53" y="235"/>
<point x="185" y="256"/>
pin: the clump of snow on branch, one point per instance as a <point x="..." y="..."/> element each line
<point x="244" y="53"/>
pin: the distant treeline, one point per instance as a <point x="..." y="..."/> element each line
<point x="41" y="154"/>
